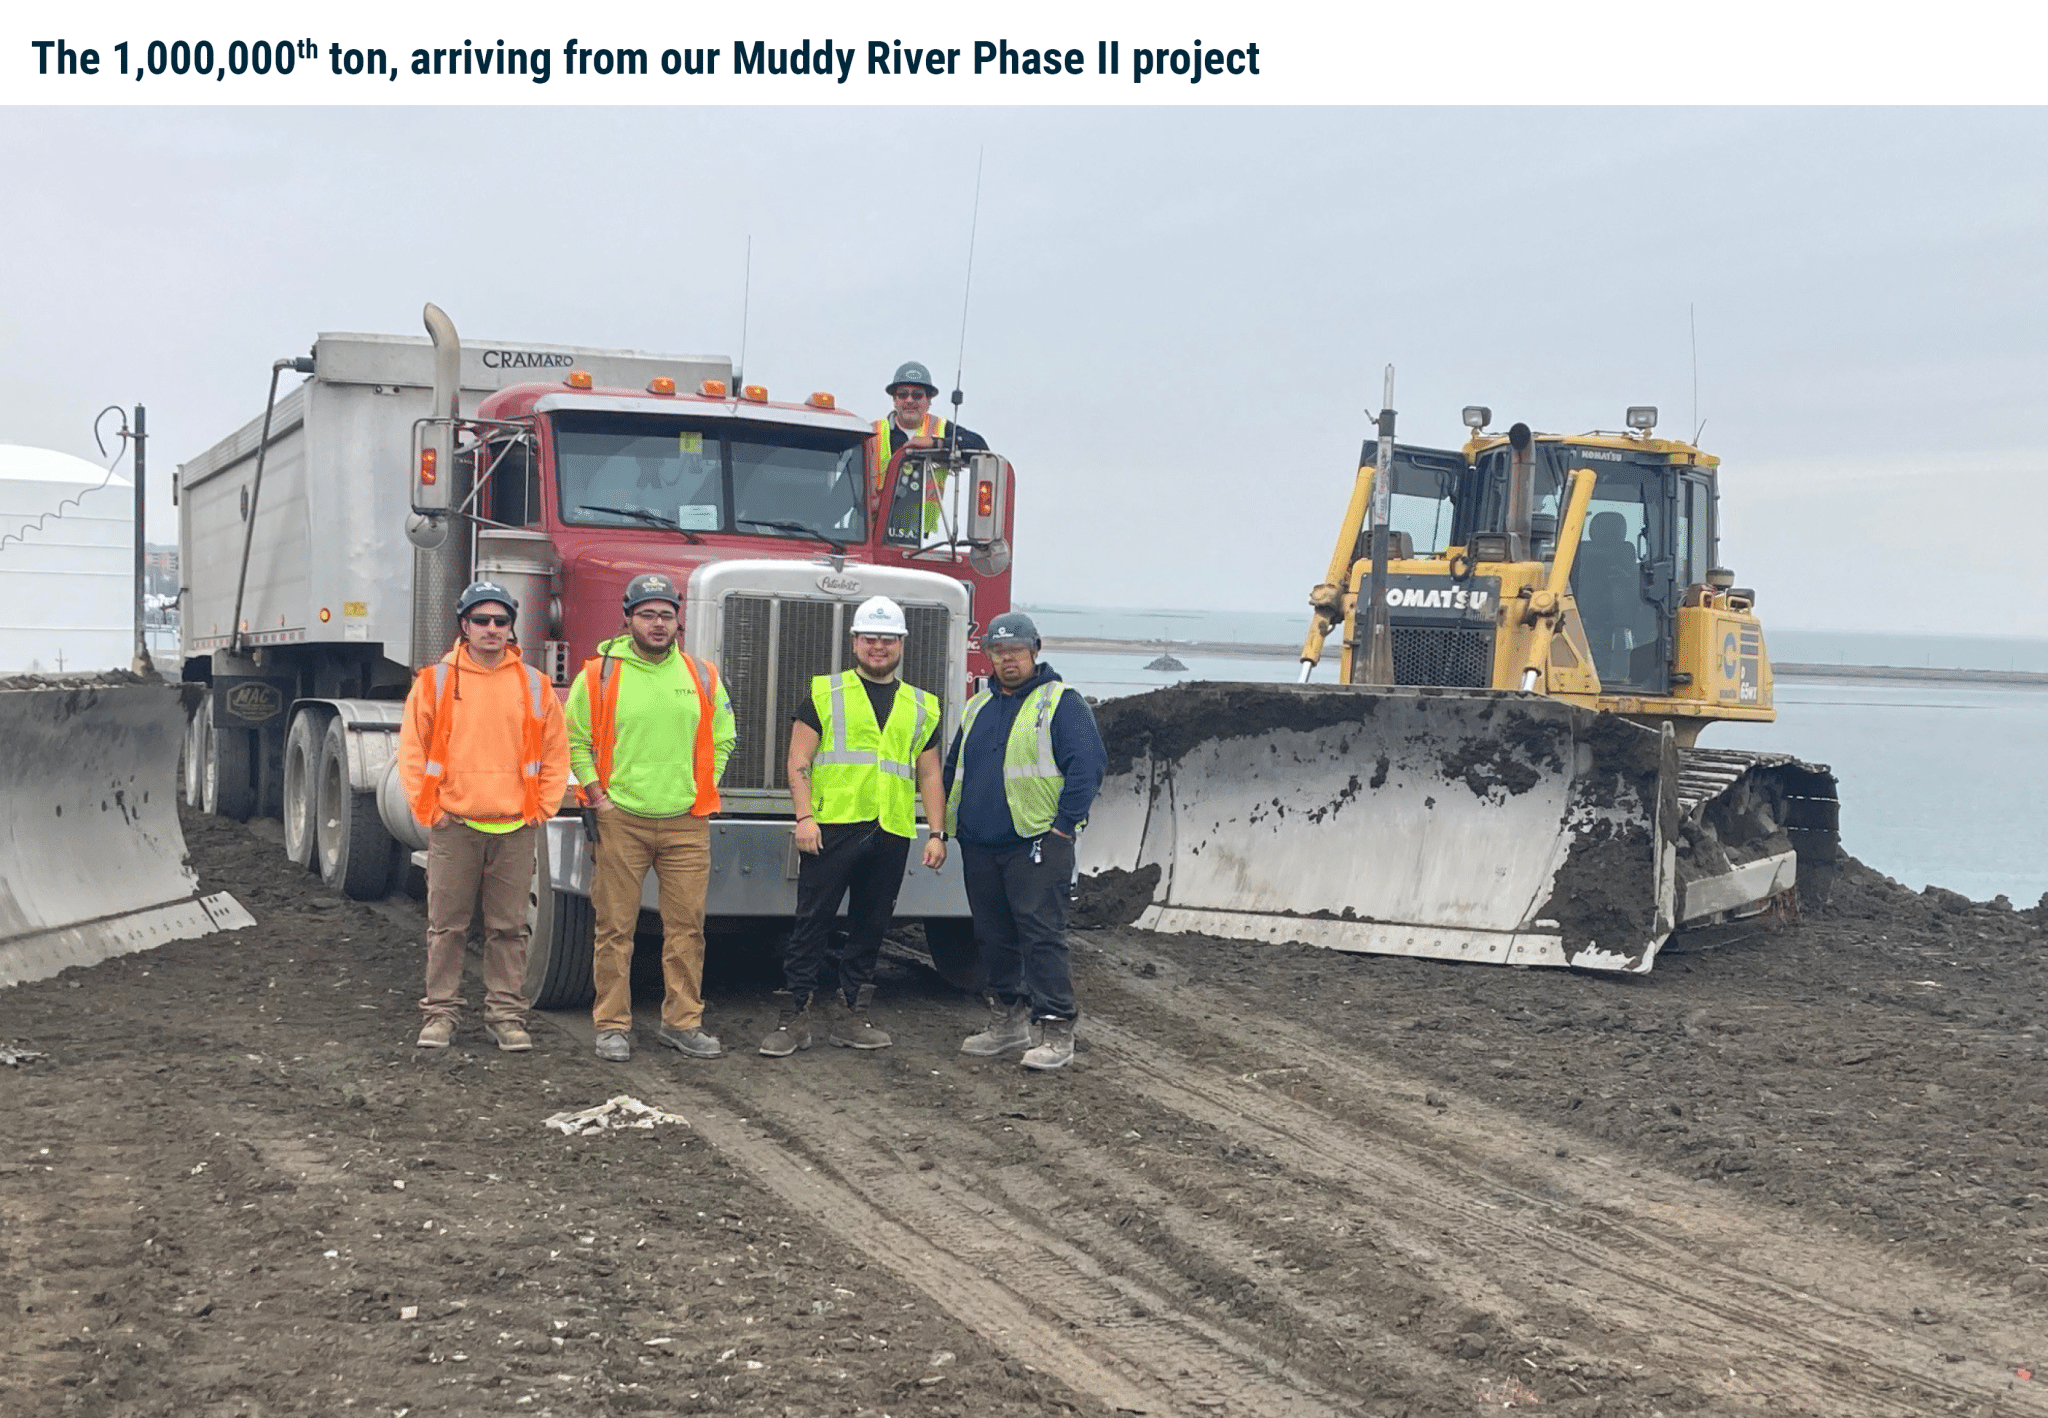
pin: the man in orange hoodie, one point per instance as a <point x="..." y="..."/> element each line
<point x="484" y="756"/>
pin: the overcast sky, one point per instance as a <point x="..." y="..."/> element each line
<point x="1178" y="317"/>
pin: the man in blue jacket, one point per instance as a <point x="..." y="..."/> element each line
<point x="1023" y="770"/>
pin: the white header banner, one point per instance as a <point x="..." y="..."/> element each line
<point x="1479" y="52"/>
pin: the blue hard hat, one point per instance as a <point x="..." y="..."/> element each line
<point x="1011" y="628"/>
<point x="476" y="593"/>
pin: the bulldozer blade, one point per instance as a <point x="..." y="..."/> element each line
<point x="92" y="860"/>
<point x="1454" y="824"/>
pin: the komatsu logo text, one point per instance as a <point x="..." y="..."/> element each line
<point x="1416" y="598"/>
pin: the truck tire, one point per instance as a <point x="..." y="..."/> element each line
<point x="195" y="758"/>
<point x="351" y="844"/>
<point x="229" y="773"/>
<point x="302" y="785"/>
<point x="563" y="932"/>
<point x="955" y="955"/>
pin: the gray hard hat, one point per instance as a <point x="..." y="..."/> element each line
<point x="911" y="372"/>
<point x="1011" y="628"/>
<point x="476" y="593"/>
<point x="652" y="586"/>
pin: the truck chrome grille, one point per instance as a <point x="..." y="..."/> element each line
<point x="1443" y="657"/>
<point x="773" y="646"/>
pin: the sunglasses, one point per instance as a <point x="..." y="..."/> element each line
<point x="913" y="394"/>
<point x="490" y="620"/>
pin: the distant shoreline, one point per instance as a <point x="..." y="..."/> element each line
<point x="1786" y="670"/>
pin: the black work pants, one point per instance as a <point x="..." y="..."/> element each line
<point x="1020" y="922"/>
<point x="863" y="866"/>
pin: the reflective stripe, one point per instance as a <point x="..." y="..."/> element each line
<point x="875" y="782"/>
<point x="434" y="768"/>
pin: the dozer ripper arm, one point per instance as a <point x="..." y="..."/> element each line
<point x="1327" y="599"/>
<point x="1546" y="604"/>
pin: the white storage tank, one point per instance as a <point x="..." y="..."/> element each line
<point x="67" y="563"/>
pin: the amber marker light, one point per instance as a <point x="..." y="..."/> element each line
<point x="756" y="392"/>
<point x="985" y="498"/>
<point x="822" y="400"/>
<point x="428" y="459"/>
<point x="661" y="384"/>
<point x="578" y="379"/>
<point x="712" y="388"/>
<point x="325" y="615"/>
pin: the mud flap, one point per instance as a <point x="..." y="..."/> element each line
<point x="92" y="859"/>
<point x="1454" y="824"/>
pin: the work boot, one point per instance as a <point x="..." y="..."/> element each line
<point x="615" y="1046"/>
<point x="694" y="1042"/>
<point x="436" y="1034"/>
<point x="1009" y="1027"/>
<point x="1055" y="1045"/>
<point x="851" y="1027"/>
<point x="511" y="1036"/>
<point x="792" y="1031"/>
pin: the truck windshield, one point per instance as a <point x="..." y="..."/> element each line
<point x="712" y="478"/>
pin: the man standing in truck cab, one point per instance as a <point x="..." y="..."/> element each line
<point x="862" y="750"/>
<point x="650" y="729"/>
<point x="912" y="422"/>
<point x="1022" y="773"/>
<point x="484" y="758"/>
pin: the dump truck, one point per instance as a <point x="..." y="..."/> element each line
<point x="1536" y="629"/>
<point x="324" y="544"/>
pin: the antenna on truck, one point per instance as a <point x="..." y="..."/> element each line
<point x="746" y="301"/>
<point x="966" y="290"/>
<point x="1693" y="329"/>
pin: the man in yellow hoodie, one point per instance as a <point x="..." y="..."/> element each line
<point x="650" y="729"/>
<point x="485" y="758"/>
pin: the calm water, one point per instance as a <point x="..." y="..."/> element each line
<point x="1940" y="783"/>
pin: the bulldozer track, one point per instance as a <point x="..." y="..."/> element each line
<point x="1787" y="1323"/>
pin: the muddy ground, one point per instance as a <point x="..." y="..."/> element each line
<point x="1790" y="1172"/>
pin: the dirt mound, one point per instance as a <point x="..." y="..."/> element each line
<point x="1112" y="898"/>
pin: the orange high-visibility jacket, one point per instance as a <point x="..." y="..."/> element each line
<point x="490" y="745"/>
<point x="601" y="680"/>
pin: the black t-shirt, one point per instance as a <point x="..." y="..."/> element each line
<point x="881" y="697"/>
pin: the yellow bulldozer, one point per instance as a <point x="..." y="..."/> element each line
<point x="1536" y="628"/>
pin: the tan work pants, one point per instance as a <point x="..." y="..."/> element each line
<point x="462" y="861"/>
<point x="679" y="851"/>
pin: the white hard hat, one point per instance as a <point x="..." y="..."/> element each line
<point x="878" y="615"/>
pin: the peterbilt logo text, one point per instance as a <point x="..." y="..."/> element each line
<point x="1416" y="598"/>
<point x="525" y="359"/>
<point x="833" y="584"/>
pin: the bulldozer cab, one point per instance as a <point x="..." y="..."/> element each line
<point x="1648" y="536"/>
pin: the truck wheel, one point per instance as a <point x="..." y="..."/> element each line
<point x="353" y="848"/>
<point x="302" y="785"/>
<point x="956" y="957"/>
<point x="195" y="758"/>
<point x="564" y="930"/>
<point x="229" y="774"/>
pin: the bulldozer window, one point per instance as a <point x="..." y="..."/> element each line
<point x="1622" y="623"/>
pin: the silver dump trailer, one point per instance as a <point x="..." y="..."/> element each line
<point x="322" y="562"/>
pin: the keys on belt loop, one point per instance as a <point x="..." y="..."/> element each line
<point x="1037" y="850"/>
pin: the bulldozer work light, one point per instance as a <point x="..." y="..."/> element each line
<point x="578" y="379"/>
<point x="1642" y="417"/>
<point x="1477" y="416"/>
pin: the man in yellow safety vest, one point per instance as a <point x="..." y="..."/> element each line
<point x="912" y="423"/>
<point x="1022" y="773"/>
<point x="862" y="750"/>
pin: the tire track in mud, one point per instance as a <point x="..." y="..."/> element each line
<point x="1113" y="1337"/>
<point x="1830" y="1319"/>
